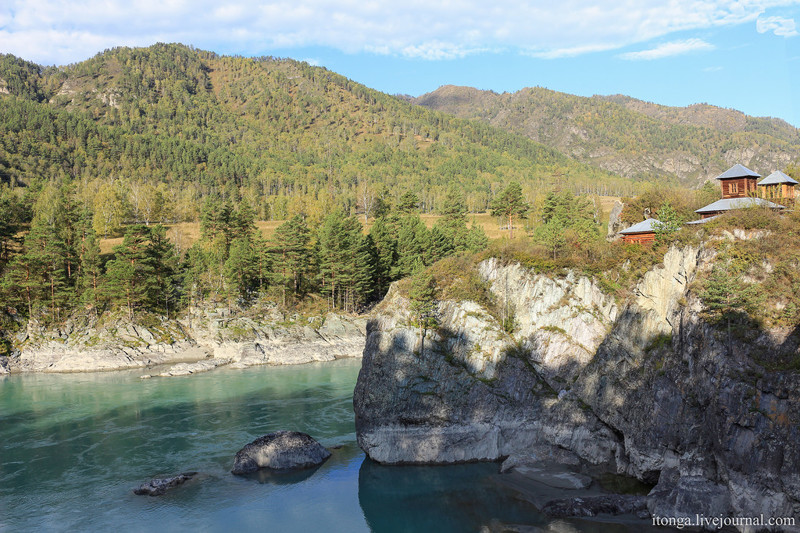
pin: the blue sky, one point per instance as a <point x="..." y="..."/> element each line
<point x="741" y="54"/>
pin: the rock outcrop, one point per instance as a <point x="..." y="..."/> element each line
<point x="159" y="486"/>
<point x="200" y="341"/>
<point x="643" y="388"/>
<point x="282" y="450"/>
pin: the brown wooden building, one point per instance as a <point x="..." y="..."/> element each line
<point x="739" y="191"/>
<point x="738" y="182"/>
<point x="779" y="187"/>
<point x="642" y="233"/>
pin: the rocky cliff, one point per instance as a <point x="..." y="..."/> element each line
<point x="202" y="340"/>
<point x="642" y="387"/>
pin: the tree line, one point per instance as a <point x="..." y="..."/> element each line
<point x="52" y="266"/>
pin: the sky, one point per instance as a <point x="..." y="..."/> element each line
<point x="740" y="54"/>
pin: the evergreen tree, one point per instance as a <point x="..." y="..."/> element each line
<point x="290" y="250"/>
<point x="383" y="234"/>
<point x="413" y="244"/>
<point x="90" y="266"/>
<point x="408" y="203"/>
<point x="11" y="217"/>
<point x="132" y="275"/>
<point x="423" y="303"/>
<point x="168" y="287"/>
<point x="455" y="207"/>
<point x="242" y="269"/>
<point x="345" y="261"/>
<point x="669" y="222"/>
<point x="510" y="204"/>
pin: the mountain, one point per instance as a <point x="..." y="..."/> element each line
<point x="630" y="137"/>
<point x="286" y="135"/>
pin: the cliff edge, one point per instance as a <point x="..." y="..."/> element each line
<point x="642" y="387"/>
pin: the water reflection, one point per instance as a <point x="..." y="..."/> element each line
<point x="455" y="498"/>
<point x="290" y="477"/>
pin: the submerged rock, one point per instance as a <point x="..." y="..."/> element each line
<point x="613" y="504"/>
<point x="282" y="450"/>
<point x="158" y="486"/>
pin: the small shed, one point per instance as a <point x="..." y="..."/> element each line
<point x="738" y="182"/>
<point x="642" y="233"/>
<point x="777" y="186"/>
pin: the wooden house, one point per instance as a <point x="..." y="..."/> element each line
<point x="778" y="186"/>
<point x="738" y="182"/>
<point x="739" y="191"/>
<point x="642" y="233"/>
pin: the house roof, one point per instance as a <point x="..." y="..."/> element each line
<point x="645" y="226"/>
<point x="738" y="171"/>
<point x="703" y="220"/>
<point x="776" y="178"/>
<point x="726" y="204"/>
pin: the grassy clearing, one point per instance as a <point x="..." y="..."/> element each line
<point x="185" y="234"/>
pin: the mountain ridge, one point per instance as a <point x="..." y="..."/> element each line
<point x="627" y="136"/>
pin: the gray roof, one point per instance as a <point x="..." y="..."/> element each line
<point x="645" y="226"/>
<point x="738" y="171"/>
<point x="726" y="204"/>
<point x="776" y="178"/>
<point x="703" y="220"/>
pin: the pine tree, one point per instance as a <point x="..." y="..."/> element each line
<point x="241" y="269"/>
<point x="90" y="271"/>
<point x="408" y="203"/>
<point x="510" y="204"/>
<point x="131" y="275"/>
<point x="413" y="244"/>
<point x="454" y="207"/>
<point x="384" y="238"/>
<point x="290" y="250"/>
<point x="167" y="283"/>
<point x="669" y="222"/>
<point x="39" y="274"/>
<point x="423" y="302"/>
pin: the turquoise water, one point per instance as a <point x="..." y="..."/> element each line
<point x="72" y="448"/>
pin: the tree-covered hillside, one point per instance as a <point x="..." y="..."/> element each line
<point x="630" y="137"/>
<point x="289" y="137"/>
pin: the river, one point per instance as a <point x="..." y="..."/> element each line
<point x="73" y="446"/>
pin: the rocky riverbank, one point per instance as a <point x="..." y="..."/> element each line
<point x="643" y="388"/>
<point x="202" y="340"/>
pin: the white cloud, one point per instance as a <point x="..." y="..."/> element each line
<point x="778" y="25"/>
<point x="54" y="31"/>
<point x="674" y="48"/>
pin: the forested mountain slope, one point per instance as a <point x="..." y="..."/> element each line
<point x="276" y="131"/>
<point x="628" y="136"/>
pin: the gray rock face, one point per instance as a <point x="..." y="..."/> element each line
<point x="615" y="222"/>
<point x="204" y="339"/>
<point x="282" y="450"/>
<point x="643" y="388"/>
<point x="159" y="486"/>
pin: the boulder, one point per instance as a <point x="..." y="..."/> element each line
<point x="158" y="486"/>
<point x="282" y="450"/>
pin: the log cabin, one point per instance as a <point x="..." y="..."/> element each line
<point x="739" y="191"/>
<point x="738" y="182"/>
<point x="642" y="233"/>
<point x="779" y="187"/>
